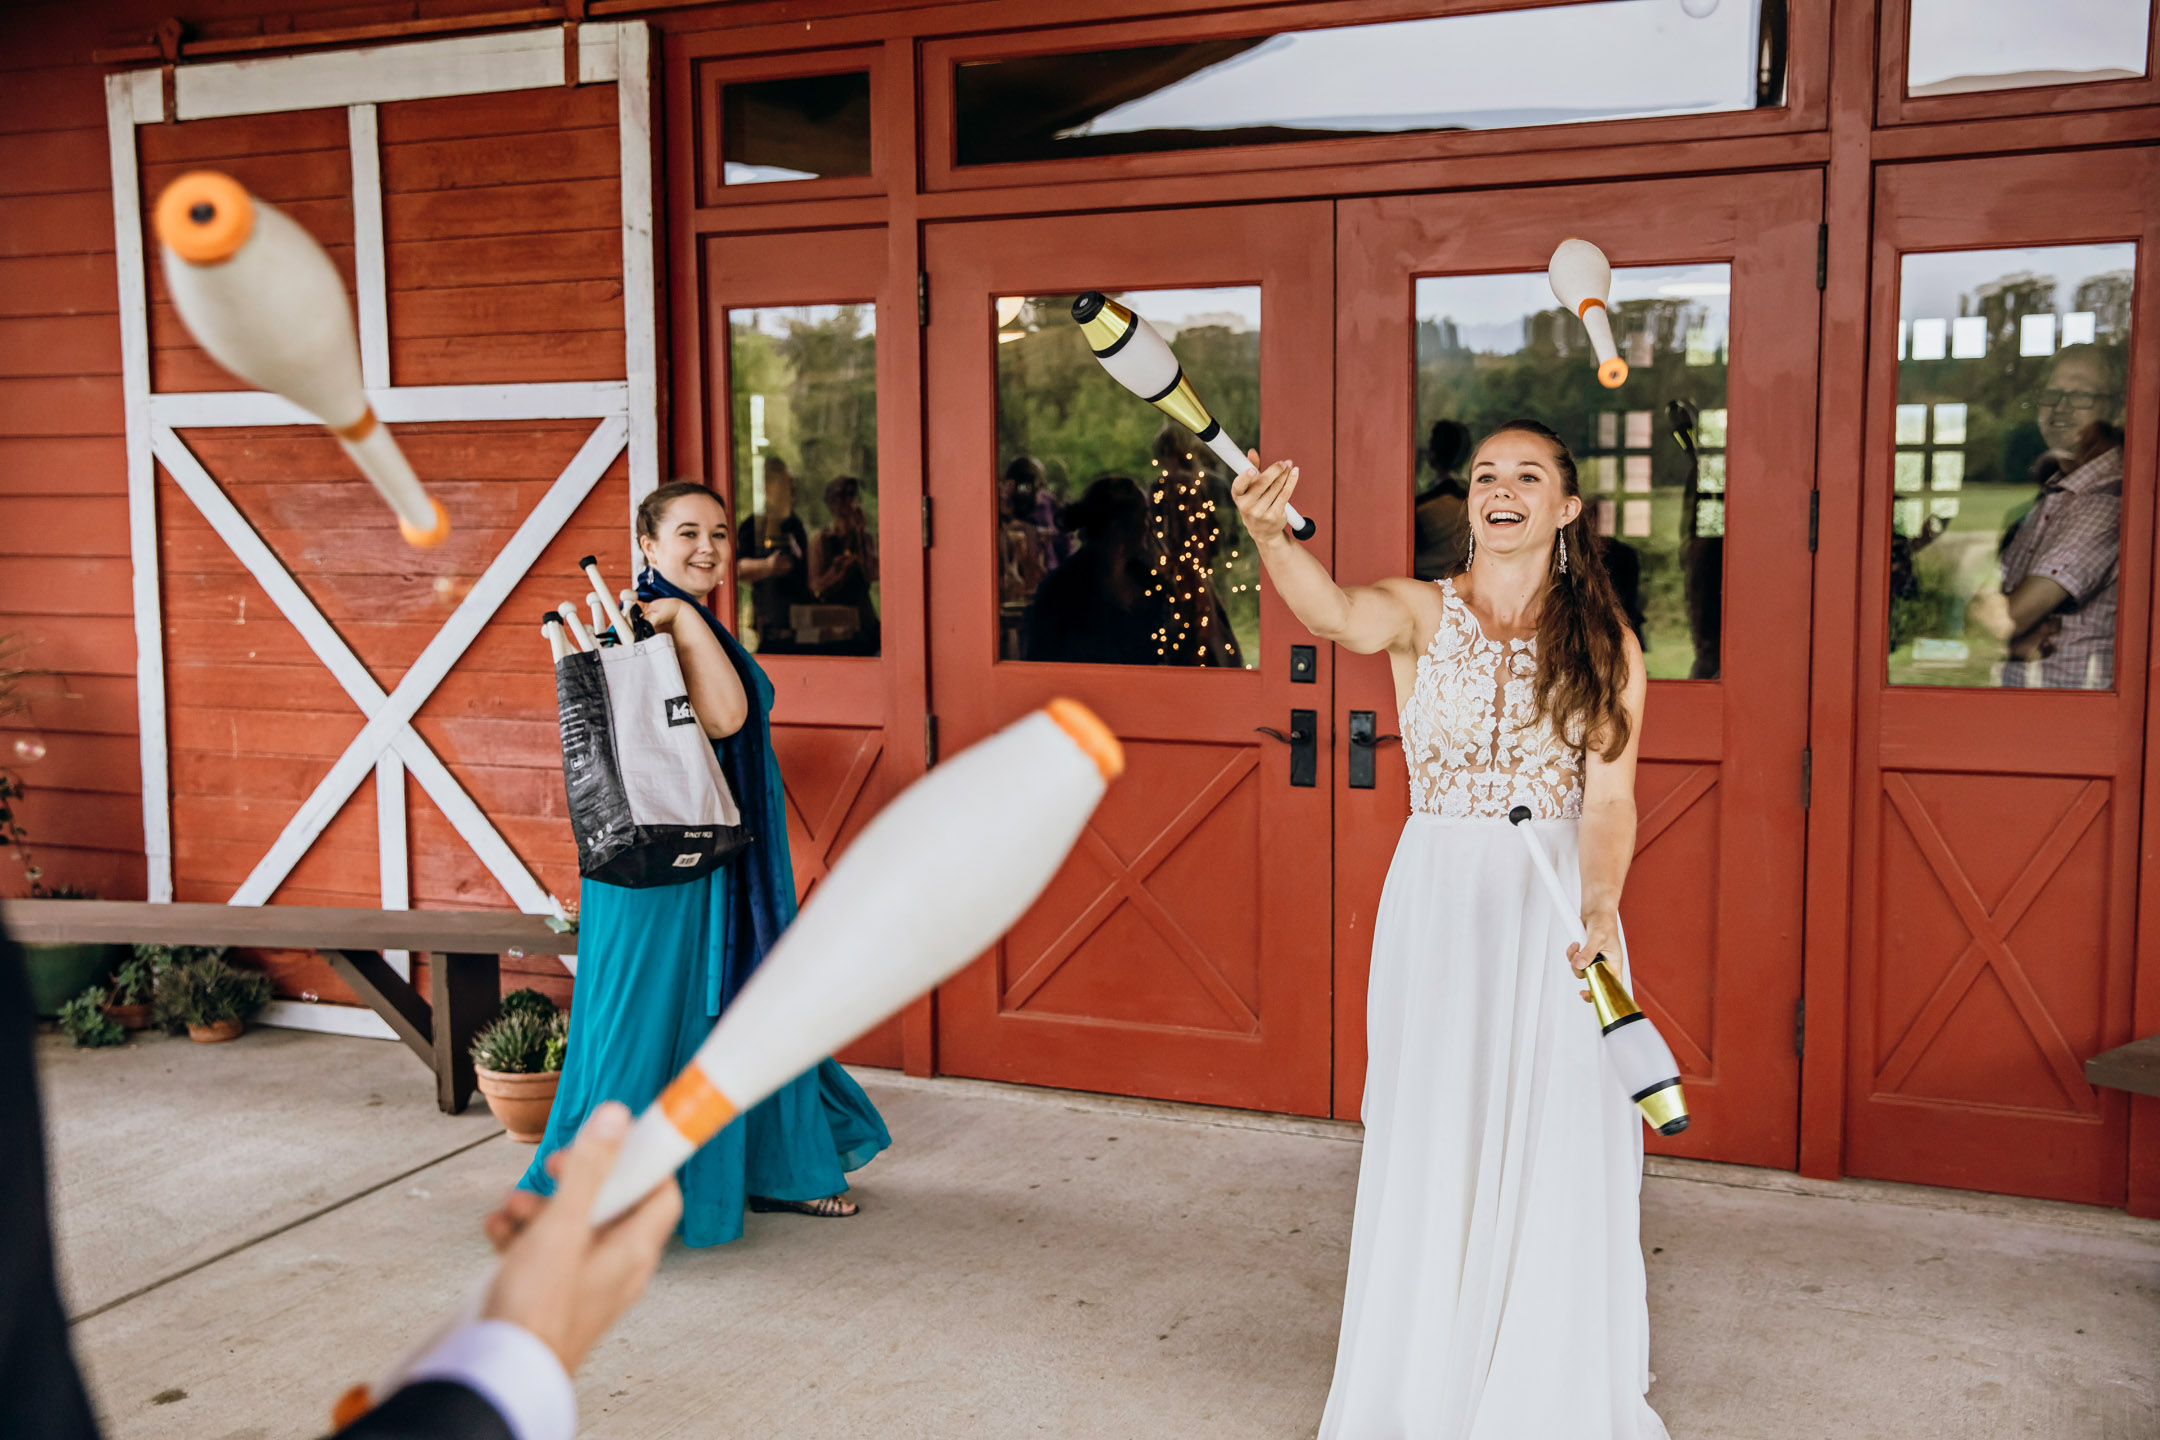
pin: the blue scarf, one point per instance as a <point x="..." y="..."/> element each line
<point x="761" y="887"/>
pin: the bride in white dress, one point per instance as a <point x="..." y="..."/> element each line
<point x="1496" y="1284"/>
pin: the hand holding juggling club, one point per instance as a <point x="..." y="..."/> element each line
<point x="260" y="295"/>
<point x="1138" y="358"/>
<point x="1581" y="279"/>
<point x="931" y="883"/>
<point x="1639" y="1054"/>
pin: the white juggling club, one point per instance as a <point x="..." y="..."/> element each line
<point x="1582" y="280"/>
<point x="260" y="295"/>
<point x="1138" y="358"/>
<point x="931" y="883"/>
<point x="1639" y="1054"/>
<point x="578" y="632"/>
<point x="558" y="644"/>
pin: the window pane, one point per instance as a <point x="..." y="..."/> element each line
<point x="1962" y="45"/>
<point x="1118" y="543"/>
<point x="804" y="380"/>
<point x="1993" y="579"/>
<point x="1610" y="60"/>
<point x="1650" y="456"/>
<point x="799" y="128"/>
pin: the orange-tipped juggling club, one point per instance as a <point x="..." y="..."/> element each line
<point x="260" y="295"/>
<point x="1582" y="280"/>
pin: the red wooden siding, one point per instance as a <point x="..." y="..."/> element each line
<point x="64" y="572"/>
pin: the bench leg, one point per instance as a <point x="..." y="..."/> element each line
<point x="389" y="995"/>
<point x="465" y="991"/>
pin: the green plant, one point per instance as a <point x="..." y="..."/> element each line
<point x="135" y="982"/>
<point x="528" y="1002"/>
<point x="203" y="989"/>
<point x="516" y="1044"/>
<point x="86" y="1023"/>
<point x="558" y="1042"/>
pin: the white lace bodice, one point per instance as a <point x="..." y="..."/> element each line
<point x="1475" y="743"/>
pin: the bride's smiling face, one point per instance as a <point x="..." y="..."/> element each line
<point x="1518" y="495"/>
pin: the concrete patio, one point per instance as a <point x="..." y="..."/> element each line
<point x="246" y="1228"/>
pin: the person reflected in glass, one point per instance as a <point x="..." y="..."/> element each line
<point x="844" y="567"/>
<point x="1034" y="504"/>
<point x="1022" y="555"/>
<point x="1441" y="514"/>
<point x="775" y="562"/>
<point x="1193" y="536"/>
<point x="2055" y="611"/>
<point x="1102" y="606"/>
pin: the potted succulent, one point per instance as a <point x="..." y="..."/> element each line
<point x="208" y="998"/>
<point x="132" y="1002"/>
<point x="86" y="1022"/>
<point x="518" y="1061"/>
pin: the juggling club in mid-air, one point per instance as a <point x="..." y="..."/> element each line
<point x="930" y="884"/>
<point x="1581" y="279"/>
<point x="1139" y="359"/>
<point x="1638" y="1053"/>
<point x="263" y="299"/>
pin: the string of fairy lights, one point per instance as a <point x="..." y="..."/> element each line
<point x="1182" y="568"/>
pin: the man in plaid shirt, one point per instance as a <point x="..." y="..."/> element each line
<point x="2057" y="604"/>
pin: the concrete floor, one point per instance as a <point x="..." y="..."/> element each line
<point x="247" y="1228"/>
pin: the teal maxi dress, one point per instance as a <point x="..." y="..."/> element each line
<point x="655" y="969"/>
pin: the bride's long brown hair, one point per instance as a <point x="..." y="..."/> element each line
<point x="1582" y="667"/>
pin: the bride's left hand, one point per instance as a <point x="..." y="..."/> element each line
<point x="1601" y="937"/>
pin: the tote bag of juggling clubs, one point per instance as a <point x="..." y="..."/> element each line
<point x="648" y="801"/>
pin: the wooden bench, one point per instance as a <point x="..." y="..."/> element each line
<point x="2134" y="1067"/>
<point x="464" y="980"/>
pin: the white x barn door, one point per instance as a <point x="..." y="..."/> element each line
<point x="622" y="413"/>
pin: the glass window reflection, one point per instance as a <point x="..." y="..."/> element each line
<point x="1957" y="46"/>
<point x="1117" y="540"/>
<point x="2006" y="481"/>
<point x="801" y="127"/>
<point x="1650" y="455"/>
<point x="1604" y="60"/>
<point x="804" y="383"/>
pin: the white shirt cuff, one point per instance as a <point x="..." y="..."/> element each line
<point x="513" y="1371"/>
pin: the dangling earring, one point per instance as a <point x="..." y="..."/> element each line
<point x="1469" y="549"/>
<point x="1563" y="552"/>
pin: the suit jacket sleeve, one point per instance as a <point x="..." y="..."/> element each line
<point x="44" y="1393"/>
<point x="430" y="1410"/>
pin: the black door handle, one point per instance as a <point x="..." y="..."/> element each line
<point x="1363" y="742"/>
<point x="1304" y="744"/>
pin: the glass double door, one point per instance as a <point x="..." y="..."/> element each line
<point x="1209" y="940"/>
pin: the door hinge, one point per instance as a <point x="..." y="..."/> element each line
<point x="1799" y="1027"/>
<point x="1814" y="518"/>
<point x="926" y="530"/>
<point x="922" y="297"/>
<point x="1822" y="255"/>
<point x="929" y="742"/>
<point x="1807" y="777"/>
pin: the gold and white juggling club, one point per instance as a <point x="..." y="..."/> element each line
<point x="1639" y="1054"/>
<point x="1582" y="280"/>
<point x="930" y="884"/>
<point x="1138" y="358"/>
<point x="263" y="299"/>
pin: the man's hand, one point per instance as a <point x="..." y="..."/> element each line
<point x="560" y="1279"/>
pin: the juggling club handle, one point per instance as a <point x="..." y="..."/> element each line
<point x="1226" y="450"/>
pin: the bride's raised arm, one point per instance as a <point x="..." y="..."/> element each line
<point x="1363" y="619"/>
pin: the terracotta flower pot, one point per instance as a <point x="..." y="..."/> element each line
<point x="521" y="1102"/>
<point x="217" y="1032"/>
<point x="129" y="1017"/>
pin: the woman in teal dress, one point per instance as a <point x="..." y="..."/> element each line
<point x="657" y="966"/>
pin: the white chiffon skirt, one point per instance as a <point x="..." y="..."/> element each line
<point x="1496" y="1276"/>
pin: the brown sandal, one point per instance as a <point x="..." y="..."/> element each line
<point x="825" y="1207"/>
